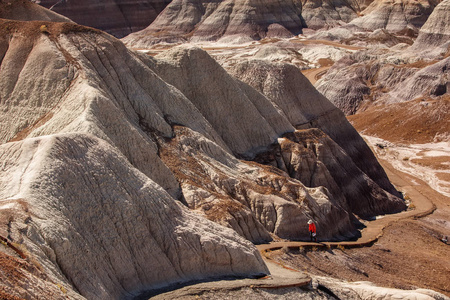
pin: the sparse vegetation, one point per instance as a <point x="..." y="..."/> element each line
<point x="44" y="28"/>
<point x="62" y="288"/>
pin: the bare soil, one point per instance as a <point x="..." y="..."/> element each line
<point x="410" y="254"/>
<point x="417" y="121"/>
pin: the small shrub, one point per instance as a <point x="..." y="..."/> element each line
<point x="341" y="247"/>
<point x="63" y="289"/>
<point x="44" y="28"/>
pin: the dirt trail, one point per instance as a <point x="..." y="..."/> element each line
<point x="417" y="190"/>
<point x="282" y="277"/>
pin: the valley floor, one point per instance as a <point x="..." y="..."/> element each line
<point x="410" y="254"/>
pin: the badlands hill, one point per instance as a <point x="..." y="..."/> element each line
<point x="395" y="16"/>
<point x="117" y="17"/>
<point x="229" y="20"/>
<point x="377" y="80"/>
<point x="375" y="69"/>
<point x="115" y="163"/>
<point x="243" y="21"/>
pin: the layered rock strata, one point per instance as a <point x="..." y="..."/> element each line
<point x="97" y="225"/>
<point x="229" y="21"/>
<point x="117" y="17"/>
<point x="356" y="81"/>
<point x="435" y="32"/>
<point x="319" y="14"/>
<point x="305" y="107"/>
<point x="395" y="16"/>
<point x="100" y="142"/>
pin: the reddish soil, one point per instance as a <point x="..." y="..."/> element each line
<point x="434" y="162"/>
<point x="417" y="121"/>
<point x="17" y="275"/>
<point x="410" y="253"/>
<point x="33" y="29"/>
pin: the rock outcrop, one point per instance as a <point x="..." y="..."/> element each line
<point x="105" y="149"/>
<point x="229" y="21"/>
<point x="305" y="108"/>
<point x="117" y="17"/>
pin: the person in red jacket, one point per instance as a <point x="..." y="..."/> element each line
<point x="312" y="230"/>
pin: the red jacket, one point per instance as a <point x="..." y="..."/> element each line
<point x="312" y="227"/>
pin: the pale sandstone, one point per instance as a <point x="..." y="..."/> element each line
<point x="105" y="230"/>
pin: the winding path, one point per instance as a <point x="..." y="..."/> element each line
<point x="416" y="190"/>
<point x="282" y="277"/>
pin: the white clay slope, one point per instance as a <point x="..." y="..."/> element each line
<point x="103" y="229"/>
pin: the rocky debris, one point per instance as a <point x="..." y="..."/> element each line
<point x="25" y="10"/>
<point x="395" y="15"/>
<point x="224" y="21"/>
<point x="22" y="279"/>
<point x="100" y="142"/>
<point x="97" y="225"/>
<point x="118" y="17"/>
<point x="321" y="288"/>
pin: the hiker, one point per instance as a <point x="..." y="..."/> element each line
<point x="312" y="230"/>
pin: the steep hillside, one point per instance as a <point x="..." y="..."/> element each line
<point x="113" y="161"/>
<point x="395" y="16"/>
<point x="117" y="17"/>
<point x="96" y="225"/>
<point x="229" y="20"/>
<point x="319" y="14"/>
